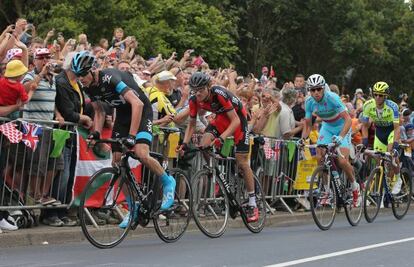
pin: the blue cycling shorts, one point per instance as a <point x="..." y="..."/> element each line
<point x="328" y="131"/>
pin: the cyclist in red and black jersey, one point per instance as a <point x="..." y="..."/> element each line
<point x="230" y="120"/>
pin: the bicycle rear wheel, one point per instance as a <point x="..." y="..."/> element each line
<point x="254" y="227"/>
<point x="373" y="195"/>
<point x="210" y="205"/>
<point x="353" y="212"/>
<point x="401" y="201"/>
<point x="171" y="224"/>
<point x="102" y="206"/>
<point x="323" y="199"/>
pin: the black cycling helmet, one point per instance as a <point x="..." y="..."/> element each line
<point x="82" y="63"/>
<point x="199" y="80"/>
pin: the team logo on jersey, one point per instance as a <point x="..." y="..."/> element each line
<point x="220" y="92"/>
<point x="106" y="78"/>
<point x="149" y="126"/>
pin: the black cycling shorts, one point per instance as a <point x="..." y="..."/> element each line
<point x="241" y="147"/>
<point x="122" y="125"/>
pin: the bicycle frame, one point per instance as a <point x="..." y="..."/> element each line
<point x="381" y="167"/>
<point x="212" y="167"/>
<point x="148" y="204"/>
<point x="330" y="164"/>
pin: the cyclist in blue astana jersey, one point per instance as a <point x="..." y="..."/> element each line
<point x="336" y="125"/>
<point x="134" y="116"/>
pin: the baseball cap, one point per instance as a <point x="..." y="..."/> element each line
<point x="165" y="76"/>
<point x="40" y="52"/>
<point x="409" y="126"/>
<point x="14" y="52"/>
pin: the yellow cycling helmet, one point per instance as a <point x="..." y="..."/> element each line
<point x="381" y="88"/>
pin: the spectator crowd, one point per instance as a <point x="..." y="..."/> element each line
<point x="36" y="84"/>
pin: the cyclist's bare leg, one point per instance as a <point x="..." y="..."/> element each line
<point x="142" y="151"/>
<point x="394" y="170"/>
<point x="320" y="152"/>
<point x="345" y="165"/>
<point x="242" y="160"/>
<point x="206" y="141"/>
<point x="116" y="158"/>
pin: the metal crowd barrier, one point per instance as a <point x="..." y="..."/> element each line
<point x="27" y="176"/>
<point x="275" y="164"/>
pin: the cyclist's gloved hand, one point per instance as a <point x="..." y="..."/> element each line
<point x="181" y="149"/>
<point x="129" y="141"/>
<point x="395" y="146"/>
<point x="337" y="139"/>
<point x="218" y="143"/>
<point x="395" y="152"/>
<point x="94" y="135"/>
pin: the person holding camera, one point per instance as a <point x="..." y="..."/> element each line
<point x="42" y="107"/>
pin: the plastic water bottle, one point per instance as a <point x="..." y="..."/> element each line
<point x="338" y="181"/>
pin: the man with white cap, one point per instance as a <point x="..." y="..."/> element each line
<point x="163" y="110"/>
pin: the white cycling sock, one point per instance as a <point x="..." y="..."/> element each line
<point x="252" y="199"/>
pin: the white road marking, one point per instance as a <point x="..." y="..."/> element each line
<point x="340" y="253"/>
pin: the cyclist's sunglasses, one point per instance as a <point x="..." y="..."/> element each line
<point x="316" y="89"/>
<point x="194" y="90"/>
<point x="379" y="95"/>
<point x="83" y="74"/>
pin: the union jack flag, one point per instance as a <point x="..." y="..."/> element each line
<point x="31" y="134"/>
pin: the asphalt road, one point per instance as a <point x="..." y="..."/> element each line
<point x="304" y="245"/>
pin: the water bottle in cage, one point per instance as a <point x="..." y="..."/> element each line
<point x="338" y="182"/>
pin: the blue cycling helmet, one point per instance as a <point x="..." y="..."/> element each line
<point x="82" y="63"/>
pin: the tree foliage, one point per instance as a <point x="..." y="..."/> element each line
<point x="370" y="40"/>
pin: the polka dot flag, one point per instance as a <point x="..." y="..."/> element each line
<point x="9" y="130"/>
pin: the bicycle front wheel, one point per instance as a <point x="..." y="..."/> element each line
<point x="171" y="224"/>
<point x="373" y="195"/>
<point x="104" y="202"/>
<point x="254" y="227"/>
<point x="401" y="201"/>
<point x="323" y="198"/>
<point x="210" y="205"/>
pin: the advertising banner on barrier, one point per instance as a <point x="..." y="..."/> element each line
<point x="90" y="161"/>
<point x="304" y="173"/>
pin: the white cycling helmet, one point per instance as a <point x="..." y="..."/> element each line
<point x="314" y="81"/>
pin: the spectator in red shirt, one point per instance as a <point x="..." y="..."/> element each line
<point x="11" y="89"/>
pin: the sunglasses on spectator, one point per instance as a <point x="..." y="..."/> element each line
<point x="316" y="89"/>
<point x="379" y="95"/>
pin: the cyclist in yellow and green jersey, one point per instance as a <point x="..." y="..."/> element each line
<point x="384" y="113"/>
